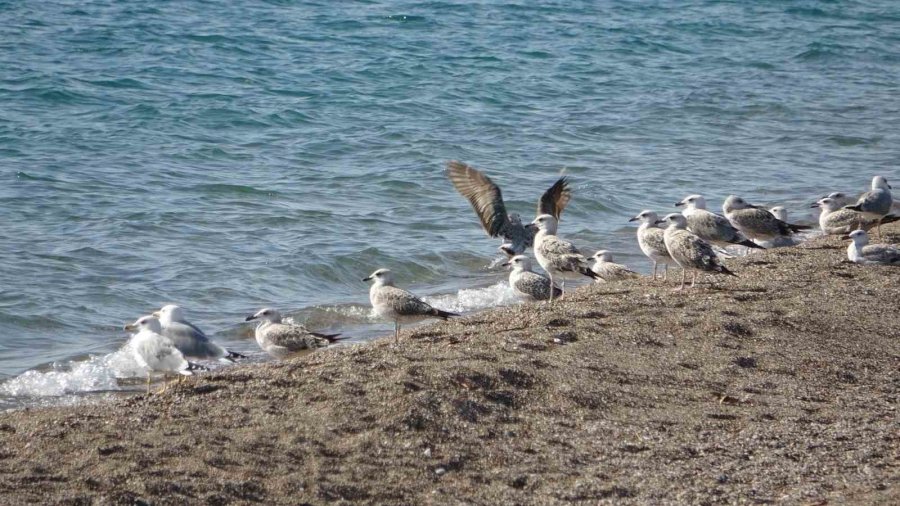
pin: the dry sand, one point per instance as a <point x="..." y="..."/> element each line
<point x="780" y="386"/>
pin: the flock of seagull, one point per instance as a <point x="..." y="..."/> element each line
<point x="693" y="240"/>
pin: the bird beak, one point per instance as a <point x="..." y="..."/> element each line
<point x="367" y="279"/>
<point x="129" y="327"/>
<point x="155" y="313"/>
<point x="751" y="206"/>
<point x="634" y="219"/>
<point x="846" y="238"/>
<point x="815" y="205"/>
<point x="679" y="204"/>
<point x="250" y="318"/>
<point x="505" y="264"/>
<point x="659" y="222"/>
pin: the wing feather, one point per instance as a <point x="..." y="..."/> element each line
<point x="484" y="196"/>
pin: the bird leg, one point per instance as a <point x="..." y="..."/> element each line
<point x="683" y="279"/>
<point x="396" y="332"/>
<point x="693" y="278"/>
<point x="148" y="382"/>
<point x="665" y="273"/>
<point x="654" y="270"/>
<point x="550" y="300"/>
<point x="165" y="382"/>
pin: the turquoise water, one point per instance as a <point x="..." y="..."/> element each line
<point x="231" y="155"/>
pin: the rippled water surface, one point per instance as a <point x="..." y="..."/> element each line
<point x="230" y="155"/>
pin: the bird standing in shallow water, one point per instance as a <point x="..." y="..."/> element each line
<point x="156" y="352"/>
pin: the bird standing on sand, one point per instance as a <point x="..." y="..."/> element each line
<point x="835" y="219"/>
<point x="608" y="270"/>
<point x="876" y="203"/>
<point x="487" y="200"/>
<point x="281" y="339"/>
<point x="709" y="226"/>
<point x="689" y="250"/>
<point x="397" y="304"/>
<point x="156" y="352"/>
<point x="558" y="257"/>
<point x="650" y="239"/>
<point x="861" y="252"/>
<point x="757" y="223"/>
<point x="528" y="284"/>
<point x="190" y="340"/>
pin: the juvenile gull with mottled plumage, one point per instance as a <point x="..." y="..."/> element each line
<point x="487" y="200"/>
<point x="651" y="241"/>
<point x="690" y="251"/>
<point x="558" y="257"/>
<point x="835" y="219"/>
<point x="710" y="226"/>
<point x="281" y="339"/>
<point x="528" y="284"/>
<point x="757" y="223"/>
<point x="397" y="304"/>
<point x="608" y="270"/>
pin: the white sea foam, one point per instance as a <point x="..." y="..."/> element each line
<point x="473" y="299"/>
<point x="97" y="374"/>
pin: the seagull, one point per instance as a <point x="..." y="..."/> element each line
<point x="157" y="353"/>
<point x="689" y="250"/>
<point x="876" y="203"/>
<point x="835" y="219"/>
<point x="710" y="226"/>
<point x="283" y="339"/>
<point x="397" y="304"/>
<point x="609" y="270"/>
<point x="757" y="223"/>
<point x="190" y="340"/>
<point x="779" y="212"/>
<point x="861" y="252"/>
<point x="487" y="200"/>
<point x="841" y="199"/>
<point x="528" y="284"/>
<point x="650" y="239"/>
<point x="557" y="256"/>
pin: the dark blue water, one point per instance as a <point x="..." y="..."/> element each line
<point x="231" y="155"/>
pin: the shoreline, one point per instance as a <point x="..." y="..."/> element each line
<point x="752" y="390"/>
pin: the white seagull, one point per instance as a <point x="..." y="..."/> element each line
<point x="608" y="270"/>
<point x="157" y="353"/>
<point x="861" y="252"/>
<point x="397" y="304"/>
<point x="757" y="223"/>
<point x="709" y="226"/>
<point x="835" y="219"/>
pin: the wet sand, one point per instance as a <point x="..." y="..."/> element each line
<point x="780" y="386"/>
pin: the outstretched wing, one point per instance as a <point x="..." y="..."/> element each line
<point x="482" y="193"/>
<point x="555" y="199"/>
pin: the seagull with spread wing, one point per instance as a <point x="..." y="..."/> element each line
<point x="487" y="200"/>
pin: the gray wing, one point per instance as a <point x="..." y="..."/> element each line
<point x="555" y="199"/>
<point x="562" y="255"/>
<point x="403" y="302"/>
<point x="882" y="254"/>
<point x="712" y="227"/>
<point x="293" y="337"/>
<point x="875" y="201"/>
<point x="759" y="222"/>
<point x="691" y="251"/>
<point x="484" y="196"/>
<point x="609" y="271"/>
<point x="535" y="285"/>
<point x="192" y="342"/>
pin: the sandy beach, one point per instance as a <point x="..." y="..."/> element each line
<point x="777" y="387"/>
